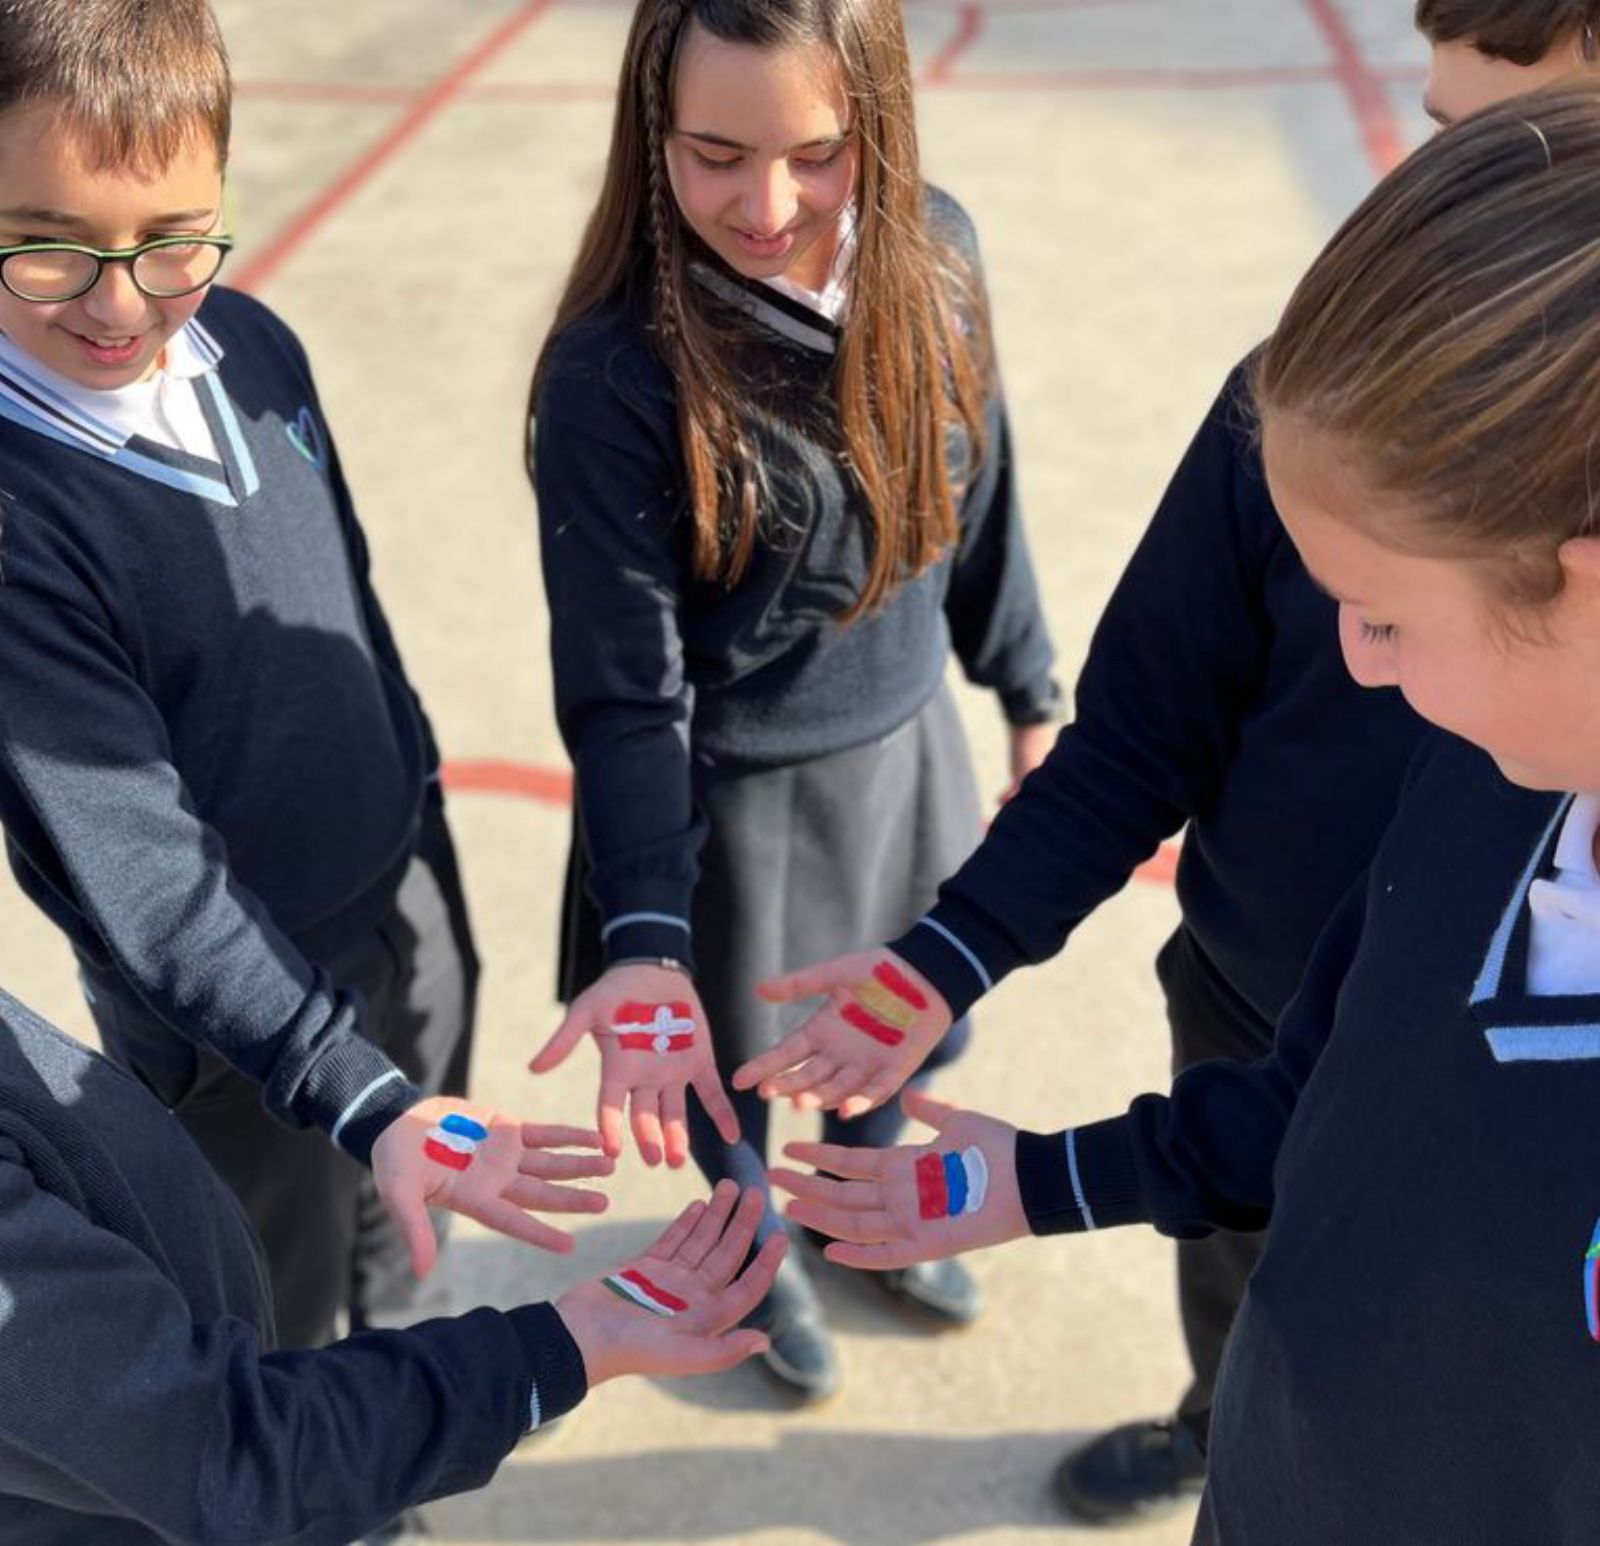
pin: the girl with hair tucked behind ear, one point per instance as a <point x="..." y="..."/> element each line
<point x="775" y="489"/>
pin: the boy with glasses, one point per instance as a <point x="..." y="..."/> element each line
<point x="214" y="774"/>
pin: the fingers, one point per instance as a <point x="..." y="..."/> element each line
<point x="928" y="1109"/>
<point x="883" y="1257"/>
<point x="674" y="1124"/>
<point x="881" y="1087"/>
<point x="562" y="1040"/>
<point x="705" y="1234"/>
<point x="609" y="1115"/>
<point x="824" y="1189"/>
<point x="794" y="1080"/>
<point x="566" y="1167"/>
<point x="861" y="1226"/>
<point x="647" y="1135"/>
<point x="673" y="1236"/>
<point x="506" y="1218"/>
<point x="795" y="1048"/>
<point x="746" y="1291"/>
<point x="836" y="1159"/>
<point x="543" y="1196"/>
<point x="845" y="1083"/>
<point x="719" y="1108"/>
<point x="410" y="1214"/>
<point x="807" y="982"/>
<point x="728" y="1251"/>
<point x="556" y="1135"/>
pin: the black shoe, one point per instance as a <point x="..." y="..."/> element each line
<point x="1131" y="1473"/>
<point x="802" y="1356"/>
<point x="940" y="1288"/>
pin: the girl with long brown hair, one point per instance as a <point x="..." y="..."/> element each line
<point x="775" y="487"/>
<point x="1415" y="1357"/>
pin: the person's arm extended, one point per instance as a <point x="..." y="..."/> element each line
<point x="91" y="798"/>
<point x="117" y="1401"/>
<point x="1200" y="1159"/>
<point x="1176" y="660"/>
<point x="610" y="489"/>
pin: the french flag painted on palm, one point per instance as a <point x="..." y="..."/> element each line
<point x="949" y="1185"/>
<point x="634" y="1286"/>
<point x="453" y="1142"/>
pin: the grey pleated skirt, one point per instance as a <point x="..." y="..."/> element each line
<point x="805" y="862"/>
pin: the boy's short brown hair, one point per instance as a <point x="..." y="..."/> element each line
<point x="135" y="79"/>
<point x="1519" y="31"/>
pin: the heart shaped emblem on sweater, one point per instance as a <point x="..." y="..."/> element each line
<point x="305" y="435"/>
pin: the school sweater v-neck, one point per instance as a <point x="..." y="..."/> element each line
<point x="662" y="680"/>
<point x="208" y="746"/>
<point x="1418" y="1355"/>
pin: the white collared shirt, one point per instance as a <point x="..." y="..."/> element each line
<point x="1564" y="937"/>
<point x="164" y="409"/>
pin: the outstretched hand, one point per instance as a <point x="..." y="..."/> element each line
<point x="669" y="1310"/>
<point x="889" y="1208"/>
<point x="880" y="1021"/>
<point x="654" y="1045"/>
<point x="450" y="1153"/>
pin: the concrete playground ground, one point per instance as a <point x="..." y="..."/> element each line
<point x="1149" y="177"/>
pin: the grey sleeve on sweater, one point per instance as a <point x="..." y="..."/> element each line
<point x="118" y="1402"/>
<point x="89" y="795"/>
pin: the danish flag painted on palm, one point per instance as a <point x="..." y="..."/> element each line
<point x="659" y="1028"/>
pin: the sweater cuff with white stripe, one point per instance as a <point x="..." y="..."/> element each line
<point x="558" y="1379"/>
<point x="960" y="951"/>
<point x="650" y="922"/>
<point x="1080" y="1179"/>
<point x="352" y="1092"/>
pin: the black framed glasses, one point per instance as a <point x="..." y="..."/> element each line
<point x="163" y="268"/>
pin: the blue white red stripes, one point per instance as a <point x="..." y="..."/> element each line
<point x="453" y="1141"/>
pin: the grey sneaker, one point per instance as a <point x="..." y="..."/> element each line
<point x="802" y="1356"/>
<point x="945" y="1289"/>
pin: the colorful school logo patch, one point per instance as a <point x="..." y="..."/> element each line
<point x="885" y="1006"/>
<point x="305" y="435"/>
<point x="454" y="1140"/>
<point x="658" y="1028"/>
<point x="949" y="1185"/>
<point x="1591" y="1284"/>
<point x="636" y="1288"/>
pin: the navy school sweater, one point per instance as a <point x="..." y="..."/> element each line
<point x="660" y="679"/>
<point x="1214" y="693"/>
<point x="1417" y="1359"/>
<point x="140" y="1399"/>
<point x="208" y="747"/>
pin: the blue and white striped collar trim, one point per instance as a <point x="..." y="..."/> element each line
<point x="44" y="395"/>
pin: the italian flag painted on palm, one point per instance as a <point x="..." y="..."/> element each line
<point x="633" y="1285"/>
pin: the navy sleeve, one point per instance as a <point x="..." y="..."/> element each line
<point x="118" y="1402"/>
<point x="997" y="625"/>
<point x="88" y="791"/>
<point x="608" y="476"/>
<point x="1177" y="658"/>
<point x="1202" y="1158"/>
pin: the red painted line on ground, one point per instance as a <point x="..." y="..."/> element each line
<point x="545" y="786"/>
<point x="1369" y="101"/>
<point x="969" y="28"/>
<point x="1138" y="80"/>
<point x="553" y="786"/>
<point x="423" y="111"/>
